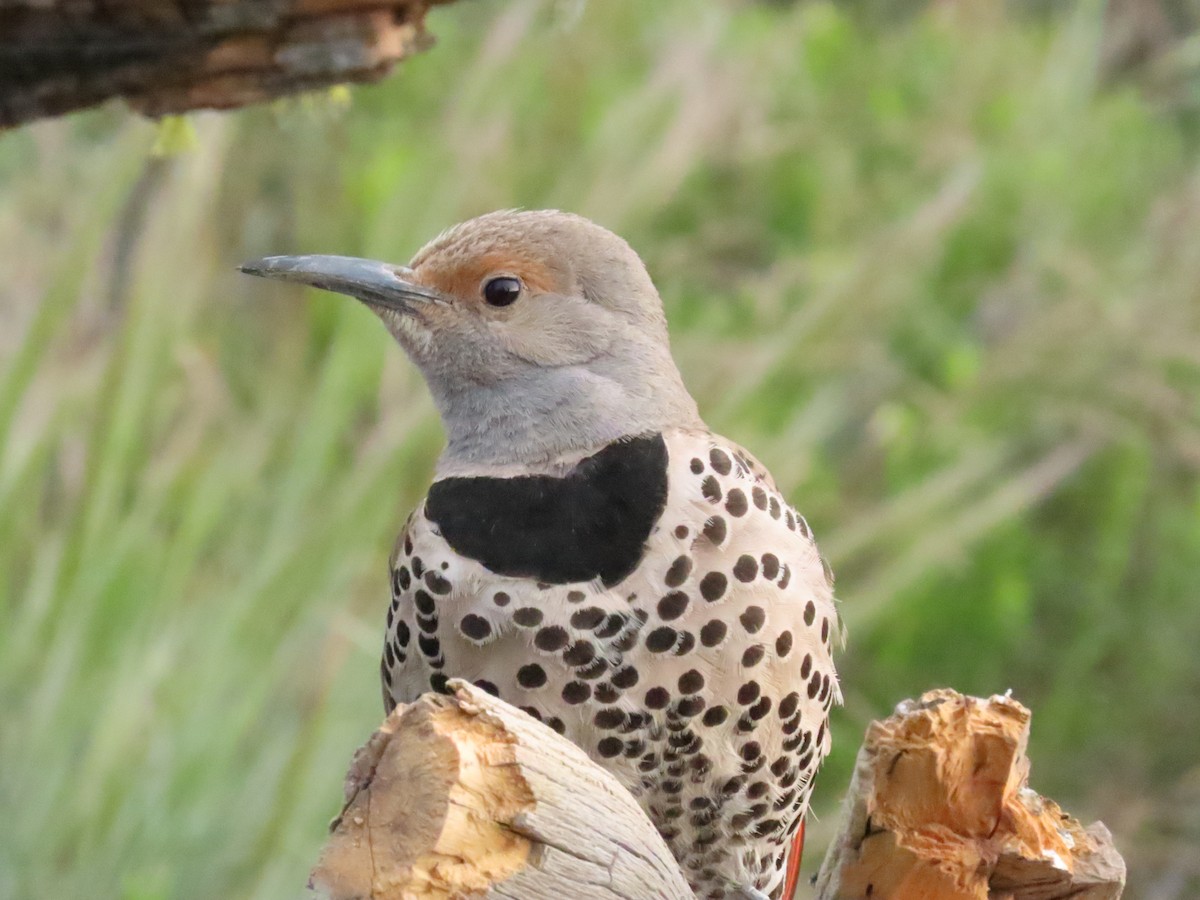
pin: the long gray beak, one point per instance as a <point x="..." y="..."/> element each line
<point x="374" y="283"/>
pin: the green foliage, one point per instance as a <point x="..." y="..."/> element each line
<point x="938" y="280"/>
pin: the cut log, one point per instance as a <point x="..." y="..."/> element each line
<point x="466" y="796"/>
<point x="170" y="56"/>
<point x="939" y="809"/>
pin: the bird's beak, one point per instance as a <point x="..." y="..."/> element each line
<point x="374" y="283"/>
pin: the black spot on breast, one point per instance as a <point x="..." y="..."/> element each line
<point x="660" y="640"/>
<point x="713" y="633"/>
<point x="531" y="676"/>
<point x="712" y="586"/>
<point x="715" y="530"/>
<point x="788" y="705"/>
<point x="746" y="568"/>
<point x="591" y="523"/>
<point x="430" y="646"/>
<point x="437" y="583"/>
<point x="687" y="641"/>
<point x="606" y="693"/>
<point x="691" y="681"/>
<point x="691" y="706"/>
<point x="609" y="718"/>
<point x="477" y="628"/>
<point x="528" y="616"/>
<point x="579" y="653"/>
<point x="657" y="698"/>
<point x="672" y="606"/>
<point x="625" y="677"/>
<point x="550" y="638"/>
<point x="593" y="670"/>
<point x="426" y="606"/>
<point x="679" y="571"/>
<point x="752" y="618"/>
<point x="748" y="693"/>
<point x="609" y="747"/>
<point x="587" y="618"/>
<point x="783" y="644"/>
<point x="760" y="709"/>
<point x="753" y="655"/>
<point x="612" y="624"/>
<point x="735" y="502"/>
<point x="575" y="692"/>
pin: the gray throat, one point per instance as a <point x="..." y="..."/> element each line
<point x="549" y="419"/>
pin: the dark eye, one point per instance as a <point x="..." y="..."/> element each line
<point x="502" y="291"/>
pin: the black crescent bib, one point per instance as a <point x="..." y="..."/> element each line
<point x="591" y="523"/>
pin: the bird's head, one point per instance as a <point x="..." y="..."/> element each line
<point x="539" y="333"/>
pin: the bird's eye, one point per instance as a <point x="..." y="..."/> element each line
<point x="502" y="291"/>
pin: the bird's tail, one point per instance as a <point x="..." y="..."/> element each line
<point x="793" y="864"/>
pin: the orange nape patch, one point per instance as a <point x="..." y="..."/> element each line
<point x="465" y="277"/>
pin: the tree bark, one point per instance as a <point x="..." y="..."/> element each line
<point x="169" y="56"/>
<point x="940" y="809"/>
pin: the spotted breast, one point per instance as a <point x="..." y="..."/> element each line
<point x="660" y="605"/>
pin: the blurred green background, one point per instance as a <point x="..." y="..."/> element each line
<point x="938" y="265"/>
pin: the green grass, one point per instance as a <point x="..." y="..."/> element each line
<point x="940" y="281"/>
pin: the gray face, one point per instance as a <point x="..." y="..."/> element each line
<point x="540" y="335"/>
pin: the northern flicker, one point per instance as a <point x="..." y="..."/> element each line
<point x="590" y="552"/>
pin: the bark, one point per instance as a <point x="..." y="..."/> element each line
<point x="170" y="56"/>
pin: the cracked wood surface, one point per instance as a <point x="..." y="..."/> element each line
<point x="170" y="56"/>
<point x="939" y="809"/>
<point x="466" y="796"/>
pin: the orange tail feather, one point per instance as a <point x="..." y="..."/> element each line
<point x="793" y="864"/>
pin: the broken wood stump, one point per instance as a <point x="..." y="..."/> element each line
<point x="466" y="796"/>
<point x="940" y="809"/>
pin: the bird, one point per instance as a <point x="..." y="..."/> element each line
<point x="590" y="551"/>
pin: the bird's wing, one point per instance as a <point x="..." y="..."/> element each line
<point x="402" y="669"/>
<point x="776" y="595"/>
